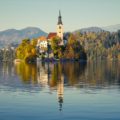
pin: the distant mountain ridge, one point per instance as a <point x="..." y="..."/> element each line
<point x="90" y="29"/>
<point x="15" y="36"/>
<point x="112" y="28"/>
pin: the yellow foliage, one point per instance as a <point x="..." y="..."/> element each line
<point x="33" y="51"/>
<point x="119" y="56"/>
<point x="26" y="50"/>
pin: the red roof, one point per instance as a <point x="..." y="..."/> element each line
<point x="42" y="38"/>
<point x="51" y="35"/>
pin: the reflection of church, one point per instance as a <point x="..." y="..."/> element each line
<point x="51" y="75"/>
<point x="60" y="92"/>
<point x="42" y="78"/>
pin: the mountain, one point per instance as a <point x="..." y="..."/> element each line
<point x="112" y="28"/>
<point x="15" y="36"/>
<point x="90" y="29"/>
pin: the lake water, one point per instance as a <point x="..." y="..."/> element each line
<point x="60" y="91"/>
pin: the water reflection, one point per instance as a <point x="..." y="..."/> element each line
<point x="97" y="74"/>
<point x="26" y="72"/>
<point x="56" y="76"/>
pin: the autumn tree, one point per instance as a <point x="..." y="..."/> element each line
<point x="101" y="45"/>
<point x="27" y="50"/>
<point x="74" y="50"/>
<point x="57" y="49"/>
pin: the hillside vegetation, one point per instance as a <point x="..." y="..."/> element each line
<point x="100" y="45"/>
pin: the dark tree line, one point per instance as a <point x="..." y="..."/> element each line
<point x="7" y="54"/>
<point x="101" y="45"/>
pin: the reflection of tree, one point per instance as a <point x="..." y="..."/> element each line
<point x="55" y="75"/>
<point x="72" y="72"/>
<point x="27" y="72"/>
<point x="112" y="72"/>
<point x="94" y="74"/>
<point x="7" y="69"/>
<point x="101" y="73"/>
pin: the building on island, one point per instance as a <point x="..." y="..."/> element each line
<point x="43" y="41"/>
<point x="50" y="36"/>
<point x="42" y="44"/>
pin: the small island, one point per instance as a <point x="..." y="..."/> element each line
<point x="51" y="48"/>
<point x="29" y="51"/>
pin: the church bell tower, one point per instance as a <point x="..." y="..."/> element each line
<point x="60" y="28"/>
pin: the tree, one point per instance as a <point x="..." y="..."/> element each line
<point x="56" y="48"/>
<point x="74" y="50"/>
<point x="27" y="50"/>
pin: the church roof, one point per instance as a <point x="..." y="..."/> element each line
<point x="59" y="18"/>
<point x="42" y="38"/>
<point x="51" y="35"/>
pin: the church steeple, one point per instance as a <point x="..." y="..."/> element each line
<point x="59" y="18"/>
<point x="60" y="28"/>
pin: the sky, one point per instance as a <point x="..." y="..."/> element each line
<point x="76" y="14"/>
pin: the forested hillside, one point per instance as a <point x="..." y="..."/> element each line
<point x="100" y="45"/>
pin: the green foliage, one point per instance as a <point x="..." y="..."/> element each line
<point x="56" y="48"/>
<point x="101" y="45"/>
<point x="91" y="46"/>
<point x="27" y="50"/>
<point x="7" y="54"/>
<point x="74" y="50"/>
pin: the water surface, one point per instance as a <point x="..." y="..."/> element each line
<point x="55" y="91"/>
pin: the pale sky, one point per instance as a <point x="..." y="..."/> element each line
<point x="43" y="14"/>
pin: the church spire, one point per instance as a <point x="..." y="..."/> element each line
<point x="60" y="28"/>
<point x="59" y="13"/>
<point x="59" y="18"/>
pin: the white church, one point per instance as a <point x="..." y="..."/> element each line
<point x="43" y="41"/>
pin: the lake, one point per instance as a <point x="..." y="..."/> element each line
<point x="60" y="91"/>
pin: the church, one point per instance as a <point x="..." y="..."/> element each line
<point x="43" y="41"/>
<point x="59" y="31"/>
